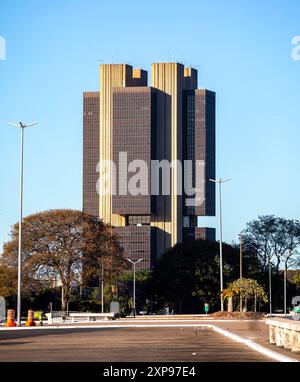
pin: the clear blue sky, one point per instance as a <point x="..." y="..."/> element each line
<point x="241" y="48"/>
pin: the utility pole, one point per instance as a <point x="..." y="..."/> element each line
<point x="22" y="126"/>
<point x="241" y="270"/>
<point x="270" y="285"/>
<point x="220" y="181"/>
<point x="241" y="258"/>
<point x="284" y="286"/>
<point x="134" y="263"/>
<point x="63" y="307"/>
<point x="102" y="287"/>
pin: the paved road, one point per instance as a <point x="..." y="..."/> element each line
<point x="123" y="344"/>
<point x="255" y="330"/>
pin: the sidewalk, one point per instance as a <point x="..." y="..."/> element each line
<point x="257" y="331"/>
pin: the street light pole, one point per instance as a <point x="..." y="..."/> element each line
<point x="220" y="181"/>
<point x="270" y="285"/>
<point x="134" y="263"/>
<point x="285" y="283"/>
<point x="241" y="269"/>
<point x="284" y="292"/>
<point x="102" y="287"/>
<point x="241" y="258"/>
<point x="22" y="126"/>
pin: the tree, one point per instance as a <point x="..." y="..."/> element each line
<point x="187" y="275"/>
<point x="229" y="294"/>
<point x="297" y="278"/>
<point x="246" y="288"/>
<point x="106" y="268"/>
<point x="143" y="291"/>
<point x="61" y="247"/>
<point x="275" y="240"/>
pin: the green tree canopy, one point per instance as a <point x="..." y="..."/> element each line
<point x="188" y="275"/>
<point x="246" y="289"/>
<point x="8" y="281"/>
<point x="62" y="246"/>
<point x="273" y="239"/>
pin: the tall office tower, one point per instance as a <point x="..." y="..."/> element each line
<point x="137" y="139"/>
<point x="90" y="151"/>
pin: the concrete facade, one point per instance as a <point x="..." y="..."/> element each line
<point x="170" y="120"/>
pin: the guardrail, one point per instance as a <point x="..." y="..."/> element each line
<point x="59" y="317"/>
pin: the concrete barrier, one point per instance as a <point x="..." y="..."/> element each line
<point x="284" y="332"/>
